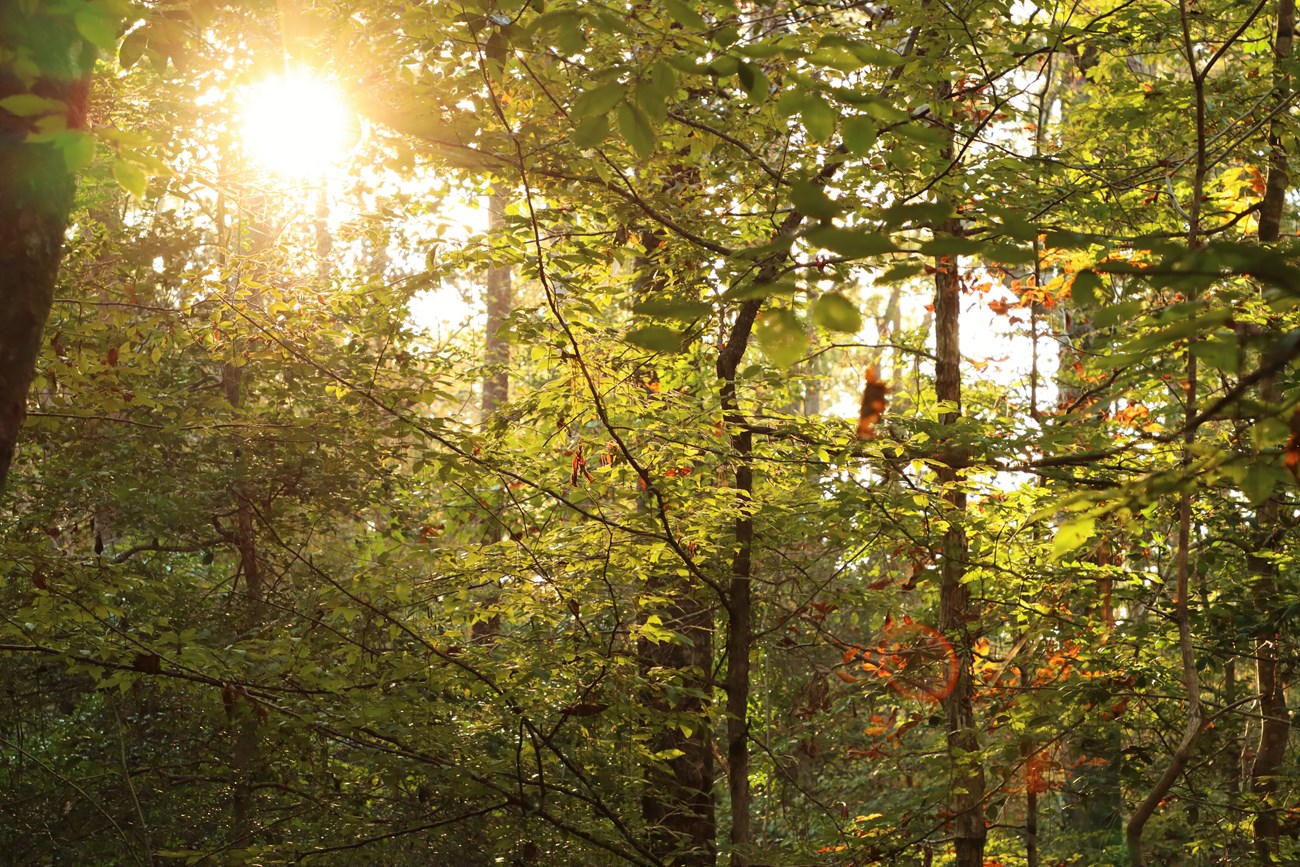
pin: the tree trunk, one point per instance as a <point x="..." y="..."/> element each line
<point x="498" y="302"/>
<point x="1275" y="723"/>
<point x="678" y="802"/>
<point x="967" y="782"/>
<point x="1274" y="201"/>
<point x="36" y="196"/>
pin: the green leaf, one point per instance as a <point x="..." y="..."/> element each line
<point x="592" y="131"/>
<point x="1086" y="290"/>
<point x="656" y="338"/>
<point x="1113" y="314"/>
<point x="598" y="100"/>
<point x="1220" y="351"/>
<point x="859" y="134"/>
<point x="834" y="312"/>
<point x="818" y="118"/>
<point x="31" y="105"/>
<point x="789" y="103"/>
<point x="130" y="178"/>
<point x="651" y="101"/>
<point x="918" y="214"/>
<point x="636" y="129"/>
<point x="811" y="201"/>
<point x="901" y="272"/>
<point x="753" y="291"/>
<point x="78" y="149"/>
<point x="673" y="308"/>
<point x="1260" y="480"/>
<point x="923" y="134"/>
<point x="133" y="47"/>
<point x="1071" y="535"/>
<point x="97" y="26"/>
<point x="948" y="245"/>
<point x="685" y="15"/>
<point x="837" y="58"/>
<point x="755" y="83"/>
<point x="782" y="336"/>
<point x="853" y="243"/>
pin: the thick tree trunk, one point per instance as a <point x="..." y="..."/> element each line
<point x="36" y="195"/>
<point x="678" y="802"/>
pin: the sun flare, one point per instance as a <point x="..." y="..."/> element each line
<point x="297" y="125"/>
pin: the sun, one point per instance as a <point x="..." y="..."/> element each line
<point x="297" y="125"/>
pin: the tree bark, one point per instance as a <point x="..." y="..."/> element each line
<point x="36" y="196"/>
<point x="498" y="302"/>
<point x="967" y="781"/>
<point x="1275" y="724"/>
<point x="1196" y="719"/>
<point x="1274" y="201"/>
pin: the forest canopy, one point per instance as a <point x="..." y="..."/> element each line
<point x="692" y="432"/>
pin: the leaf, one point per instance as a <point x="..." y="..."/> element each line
<point x="818" y="118"/>
<point x="1071" y="535"/>
<point x="130" y="178"/>
<point x="782" y="336"/>
<point x="584" y="709"/>
<point x="1086" y="288"/>
<point x="900" y="272"/>
<point x="592" y="131"/>
<point x="753" y="291"/>
<point x="837" y="58"/>
<point x="811" y="200"/>
<point x="859" y="134"/>
<point x="834" y="312"/>
<point x="31" y="105"/>
<point x="918" y="214"/>
<point x="673" y="308"/>
<point x="923" y="134"/>
<point x="1220" y="351"/>
<point x="636" y="129"/>
<point x="755" y="82"/>
<point x="875" y="399"/>
<point x="685" y="15"/>
<point x="853" y="243"/>
<point x="598" y="100"/>
<point x="651" y="101"/>
<point x="1260" y="480"/>
<point x="97" y="26"/>
<point x="78" y="149"/>
<point x="656" y="338"/>
<point x="949" y="245"/>
<point x="133" y="47"/>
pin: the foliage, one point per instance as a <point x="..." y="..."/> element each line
<point x="274" y="593"/>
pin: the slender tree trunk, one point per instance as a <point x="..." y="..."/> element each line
<point x="1274" y="202"/>
<point x="739" y="634"/>
<point x="967" y="780"/>
<point x="36" y="196"/>
<point x="499" y="301"/>
<point x="1196" y="720"/>
<point x="1275" y="722"/>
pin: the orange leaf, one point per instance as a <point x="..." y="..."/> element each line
<point x="874" y="400"/>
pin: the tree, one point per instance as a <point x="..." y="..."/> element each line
<point x="284" y="586"/>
